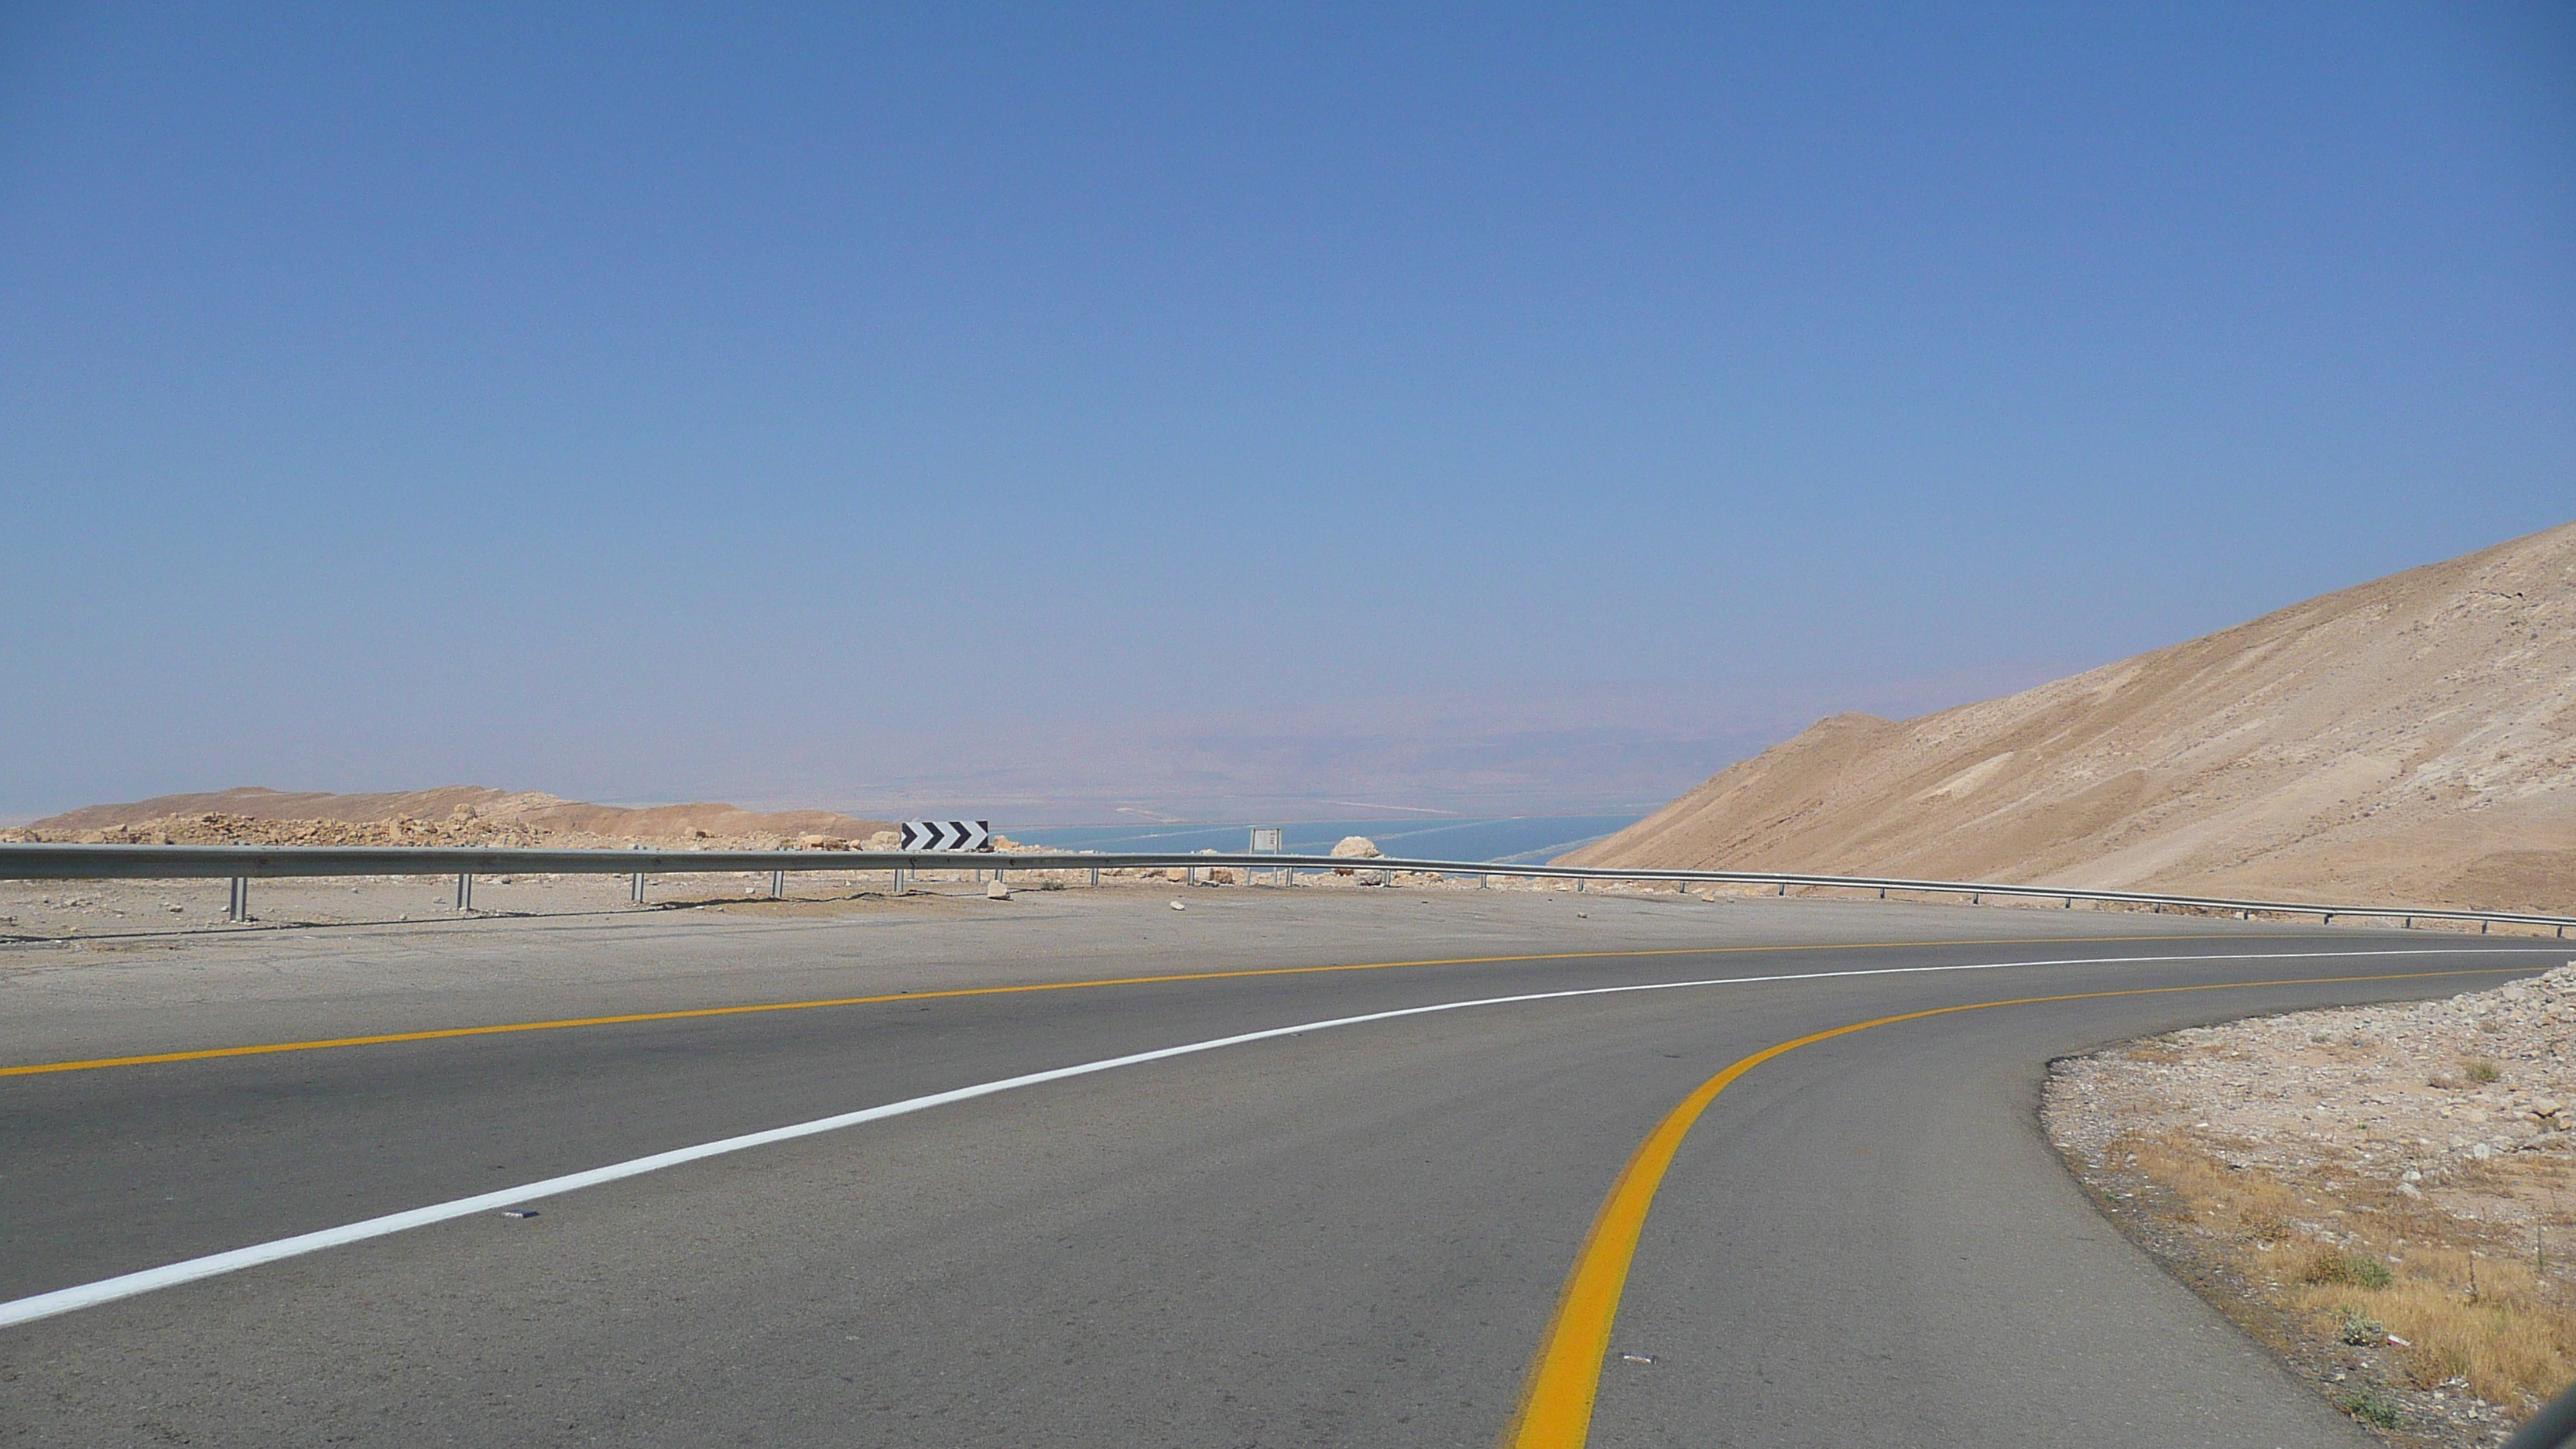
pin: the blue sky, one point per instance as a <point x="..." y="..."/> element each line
<point x="1031" y="411"/>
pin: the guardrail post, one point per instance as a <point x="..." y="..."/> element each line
<point x="41" y="861"/>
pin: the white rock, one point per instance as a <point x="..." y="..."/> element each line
<point x="1357" y="847"/>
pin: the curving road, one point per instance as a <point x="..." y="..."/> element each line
<point x="1343" y="1234"/>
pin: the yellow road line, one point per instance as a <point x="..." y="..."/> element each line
<point x="444" y="1033"/>
<point x="1565" y="1374"/>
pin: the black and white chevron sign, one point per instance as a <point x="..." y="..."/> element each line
<point x="947" y="835"/>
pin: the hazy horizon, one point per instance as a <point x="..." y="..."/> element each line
<point x="1563" y="760"/>
<point x="1063" y="413"/>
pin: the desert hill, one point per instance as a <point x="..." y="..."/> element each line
<point x="2410" y="740"/>
<point x="453" y="815"/>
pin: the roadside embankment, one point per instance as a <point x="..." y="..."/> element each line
<point x="2382" y="1194"/>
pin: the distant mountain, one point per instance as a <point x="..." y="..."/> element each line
<point x="462" y="809"/>
<point x="2409" y="740"/>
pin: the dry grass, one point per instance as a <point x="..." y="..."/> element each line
<point x="2511" y="1339"/>
<point x="2429" y="1279"/>
<point x="2244" y="1204"/>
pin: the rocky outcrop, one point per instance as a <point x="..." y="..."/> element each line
<point x="456" y="815"/>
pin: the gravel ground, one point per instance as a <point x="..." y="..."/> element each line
<point x="2433" y="1128"/>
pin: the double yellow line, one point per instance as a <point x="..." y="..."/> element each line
<point x="1565" y="1375"/>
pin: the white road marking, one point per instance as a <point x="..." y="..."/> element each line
<point x="127" y="1285"/>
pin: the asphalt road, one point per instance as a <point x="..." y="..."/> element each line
<point x="1352" y="1235"/>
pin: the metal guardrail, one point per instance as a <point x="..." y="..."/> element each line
<point x="244" y="863"/>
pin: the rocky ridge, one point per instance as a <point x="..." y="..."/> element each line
<point x="467" y="815"/>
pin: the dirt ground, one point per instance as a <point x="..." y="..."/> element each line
<point x="75" y="910"/>
<point x="35" y="911"/>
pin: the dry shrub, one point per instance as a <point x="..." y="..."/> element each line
<point x="2312" y="1261"/>
<point x="2263" y="1224"/>
<point x="2488" y="1320"/>
<point x="2513" y="1343"/>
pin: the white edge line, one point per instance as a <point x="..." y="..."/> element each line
<point x="127" y="1285"/>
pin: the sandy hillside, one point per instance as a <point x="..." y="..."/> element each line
<point x="2409" y="740"/>
<point x="456" y="814"/>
